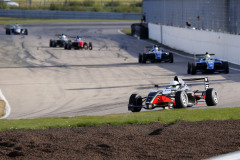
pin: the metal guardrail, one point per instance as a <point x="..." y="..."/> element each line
<point x="68" y="14"/>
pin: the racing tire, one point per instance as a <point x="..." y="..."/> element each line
<point x="50" y="43"/>
<point x="144" y="59"/>
<point x="211" y="97"/>
<point x="85" y="45"/>
<point x="171" y="58"/>
<point x="54" y="44"/>
<point x="69" y="46"/>
<point x="90" y="47"/>
<point x="26" y="32"/>
<point x="193" y="69"/>
<point x="181" y="99"/>
<point x="140" y="58"/>
<point x="189" y="68"/>
<point x="8" y="31"/>
<point x="66" y="46"/>
<point x="226" y="67"/>
<point x="136" y="100"/>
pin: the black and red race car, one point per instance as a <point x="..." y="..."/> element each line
<point x="178" y="95"/>
<point x="78" y="44"/>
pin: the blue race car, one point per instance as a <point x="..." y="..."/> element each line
<point x="155" y="54"/>
<point x="207" y="64"/>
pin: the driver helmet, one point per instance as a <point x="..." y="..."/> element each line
<point x="174" y="84"/>
<point x="155" y="48"/>
<point x="207" y="55"/>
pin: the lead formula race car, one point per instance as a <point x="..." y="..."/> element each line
<point x="16" y="29"/>
<point x="155" y="54"/>
<point x="178" y="95"/>
<point x="207" y="63"/>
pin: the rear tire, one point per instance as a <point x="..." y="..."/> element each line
<point x="69" y="46"/>
<point x="135" y="100"/>
<point x="66" y="46"/>
<point x="181" y="99"/>
<point x="211" y="97"/>
<point x="85" y="46"/>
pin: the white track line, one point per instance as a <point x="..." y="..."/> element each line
<point x="7" y="106"/>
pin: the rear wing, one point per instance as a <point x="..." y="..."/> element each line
<point x="206" y="82"/>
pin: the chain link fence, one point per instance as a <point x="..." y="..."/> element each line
<point x="213" y="15"/>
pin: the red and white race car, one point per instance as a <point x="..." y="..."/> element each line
<point x="178" y="95"/>
<point x="78" y="44"/>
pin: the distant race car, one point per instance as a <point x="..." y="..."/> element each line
<point x="155" y="54"/>
<point x="10" y="3"/>
<point x="78" y="44"/>
<point x="178" y="95"/>
<point x="60" y="42"/>
<point x="16" y="29"/>
<point x="205" y="64"/>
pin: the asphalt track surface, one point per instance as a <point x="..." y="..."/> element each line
<point x="39" y="81"/>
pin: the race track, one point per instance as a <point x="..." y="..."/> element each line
<point x="39" y="81"/>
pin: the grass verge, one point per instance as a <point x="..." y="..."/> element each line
<point x="11" y="20"/>
<point x="127" y="31"/>
<point x="164" y="116"/>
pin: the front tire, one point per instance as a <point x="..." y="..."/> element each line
<point x="226" y="67"/>
<point x="140" y="58"/>
<point x="135" y="100"/>
<point x="8" y="31"/>
<point x="211" y="97"/>
<point x="90" y="47"/>
<point x="193" y="69"/>
<point x="181" y="99"/>
<point x="26" y="32"/>
<point x="50" y="43"/>
<point x="144" y="59"/>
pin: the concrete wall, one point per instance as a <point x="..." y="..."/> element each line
<point x="216" y="15"/>
<point x="68" y="14"/>
<point x="225" y="46"/>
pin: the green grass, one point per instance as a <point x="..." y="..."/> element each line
<point x="164" y="116"/>
<point x="127" y="31"/>
<point x="10" y="20"/>
<point x="81" y="5"/>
